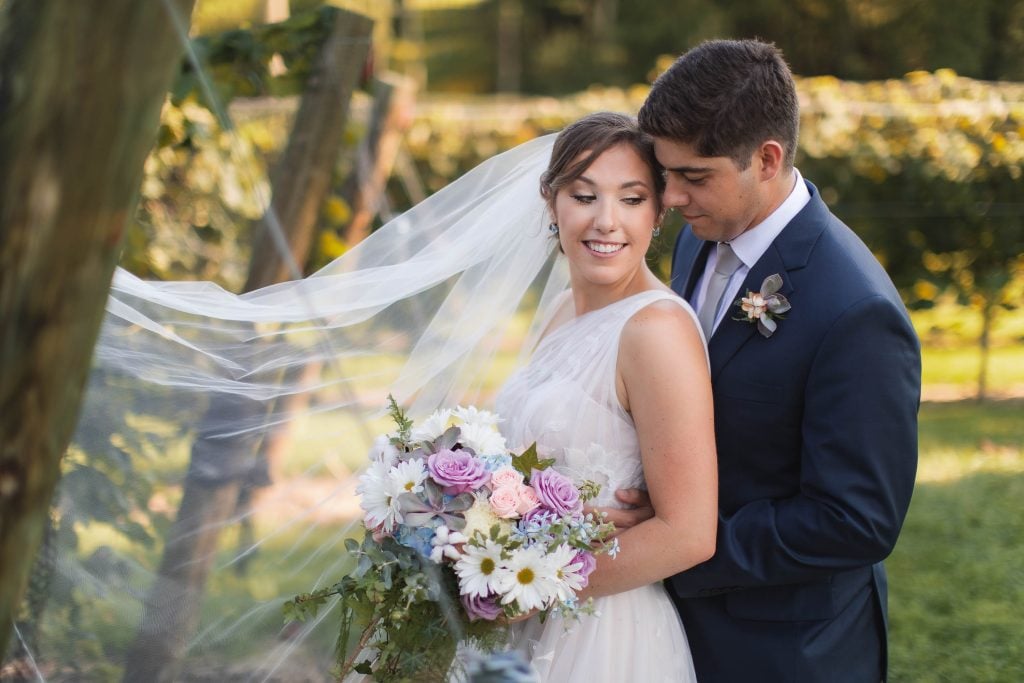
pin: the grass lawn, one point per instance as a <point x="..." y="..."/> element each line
<point x="956" y="603"/>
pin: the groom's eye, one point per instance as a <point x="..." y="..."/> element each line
<point x="695" y="180"/>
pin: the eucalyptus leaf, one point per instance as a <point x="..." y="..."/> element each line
<point x="771" y="284"/>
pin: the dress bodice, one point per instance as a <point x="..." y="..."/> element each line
<point x="565" y="399"/>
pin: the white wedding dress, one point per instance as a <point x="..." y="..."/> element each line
<point x="564" y="399"/>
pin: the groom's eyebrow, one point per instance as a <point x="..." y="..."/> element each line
<point x="689" y="169"/>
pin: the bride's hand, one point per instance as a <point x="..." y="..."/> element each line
<point x="640" y="509"/>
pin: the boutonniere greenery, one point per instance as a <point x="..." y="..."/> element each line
<point x="764" y="307"/>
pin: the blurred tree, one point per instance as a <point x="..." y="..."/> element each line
<point x="575" y="43"/>
<point x="61" y="225"/>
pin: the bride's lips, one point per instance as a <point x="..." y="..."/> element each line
<point x="603" y="249"/>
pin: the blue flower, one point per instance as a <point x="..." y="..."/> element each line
<point x="495" y="462"/>
<point x="502" y="667"/>
<point x="418" y="538"/>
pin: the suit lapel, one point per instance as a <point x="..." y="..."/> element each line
<point x="688" y="263"/>
<point x="789" y="252"/>
<point x="696" y="268"/>
<point x="731" y="335"/>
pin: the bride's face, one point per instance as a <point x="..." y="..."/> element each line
<point x="606" y="217"/>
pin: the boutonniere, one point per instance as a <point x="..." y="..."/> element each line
<point x="764" y="307"/>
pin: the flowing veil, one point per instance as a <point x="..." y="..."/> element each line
<point x="152" y="564"/>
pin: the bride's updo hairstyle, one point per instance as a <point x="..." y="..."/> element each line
<point x="580" y="143"/>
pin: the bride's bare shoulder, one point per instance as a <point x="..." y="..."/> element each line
<point x="661" y="327"/>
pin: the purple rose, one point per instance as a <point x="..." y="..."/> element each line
<point x="588" y="564"/>
<point x="457" y="471"/>
<point x="486" y="608"/>
<point x="556" y="491"/>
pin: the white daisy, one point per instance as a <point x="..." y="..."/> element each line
<point x="483" y="439"/>
<point x="433" y="427"/>
<point x="378" y="497"/>
<point x="383" y="450"/>
<point x="471" y="415"/>
<point x="527" y="579"/>
<point x="444" y="544"/>
<point x="567" y="569"/>
<point x="408" y="476"/>
<point x="478" y="569"/>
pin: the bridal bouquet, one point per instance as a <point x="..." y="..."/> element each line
<point x="461" y="535"/>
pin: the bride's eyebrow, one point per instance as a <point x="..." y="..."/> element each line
<point x="624" y="186"/>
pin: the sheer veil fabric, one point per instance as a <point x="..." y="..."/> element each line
<point x="191" y="382"/>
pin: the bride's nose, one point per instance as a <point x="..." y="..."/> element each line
<point x="605" y="220"/>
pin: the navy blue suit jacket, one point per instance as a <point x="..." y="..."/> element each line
<point x="816" y="431"/>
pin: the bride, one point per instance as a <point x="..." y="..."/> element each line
<point x="618" y="392"/>
<point x="190" y="384"/>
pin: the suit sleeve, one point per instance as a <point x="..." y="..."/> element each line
<point x="858" y="461"/>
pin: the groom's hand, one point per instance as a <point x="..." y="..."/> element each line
<point x="639" y="510"/>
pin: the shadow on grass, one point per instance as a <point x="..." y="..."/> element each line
<point x="956" y="577"/>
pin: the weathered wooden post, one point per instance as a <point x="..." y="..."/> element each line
<point x="220" y="466"/>
<point x="73" y="141"/>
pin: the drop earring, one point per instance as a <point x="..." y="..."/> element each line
<point x="657" y="231"/>
<point x="553" y="229"/>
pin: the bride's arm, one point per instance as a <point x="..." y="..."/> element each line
<point x="664" y="383"/>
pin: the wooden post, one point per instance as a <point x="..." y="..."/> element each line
<point x="219" y="466"/>
<point x="302" y="178"/>
<point x="394" y="97"/>
<point x="81" y="87"/>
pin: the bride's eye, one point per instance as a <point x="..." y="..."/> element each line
<point x="634" y="201"/>
<point x="583" y="198"/>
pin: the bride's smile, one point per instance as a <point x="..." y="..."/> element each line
<point x="604" y="248"/>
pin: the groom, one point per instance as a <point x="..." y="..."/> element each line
<point x="815" y="409"/>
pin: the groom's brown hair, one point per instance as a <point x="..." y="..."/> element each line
<point x="725" y="98"/>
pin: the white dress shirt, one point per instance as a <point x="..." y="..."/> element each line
<point x="751" y="246"/>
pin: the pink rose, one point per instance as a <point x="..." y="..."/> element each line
<point x="528" y="499"/>
<point x="506" y="476"/>
<point x="457" y="471"/>
<point x="556" y="491"/>
<point x="505" y="502"/>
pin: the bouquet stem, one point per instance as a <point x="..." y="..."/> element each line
<point x="364" y="639"/>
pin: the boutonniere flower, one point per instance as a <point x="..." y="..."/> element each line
<point x="764" y="307"/>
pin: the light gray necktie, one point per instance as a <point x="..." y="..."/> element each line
<point x="727" y="264"/>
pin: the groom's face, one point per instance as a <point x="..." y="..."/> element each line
<point x="716" y="198"/>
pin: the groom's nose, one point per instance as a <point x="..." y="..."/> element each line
<point x="675" y="195"/>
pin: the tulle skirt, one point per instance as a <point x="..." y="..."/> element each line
<point x="635" y="636"/>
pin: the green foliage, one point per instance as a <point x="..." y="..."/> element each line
<point x="956" y="592"/>
<point x="567" y="45"/>
<point x="404" y="608"/>
<point x="402" y="420"/>
<point x="527" y="461"/>
<point x="237" y="61"/>
<point x="203" y="187"/>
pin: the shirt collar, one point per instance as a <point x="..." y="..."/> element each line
<point x="753" y="243"/>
